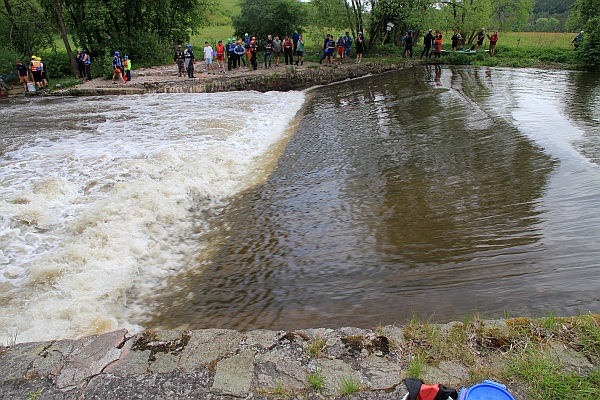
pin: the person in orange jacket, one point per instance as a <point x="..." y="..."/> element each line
<point x="437" y="44"/>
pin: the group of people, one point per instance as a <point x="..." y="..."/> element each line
<point x="121" y="68"/>
<point x="84" y="64"/>
<point x="34" y="72"/>
<point x="341" y="49"/>
<point x="243" y="53"/>
<point x="434" y="41"/>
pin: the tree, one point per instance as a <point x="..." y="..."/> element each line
<point x="277" y="17"/>
<point x="24" y="27"/>
<point x="511" y="15"/>
<point x="586" y="14"/>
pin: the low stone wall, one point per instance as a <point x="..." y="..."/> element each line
<point x="282" y="80"/>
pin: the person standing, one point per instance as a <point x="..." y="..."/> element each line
<point x="493" y="40"/>
<point x="288" y="48"/>
<point x="254" y="53"/>
<point x="427" y="43"/>
<point x="208" y="58"/>
<point x="300" y="50"/>
<point x="87" y="63"/>
<point x="455" y="39"/>
<point x="480" y="38"/>
<point x="80" y="65"/>
<point x="44" y="77"/>
<point x="330" y="50"/>
<point x="277" y="50"/>
<point x="188" y="57"/>
<point x="221" y="56"/>
<point x="117" y="65"/>
<point x="239" y="51"/>
<point x="360" y="47"/>
<point x="127" y="68"/>
<point x="229" y="47"/>
<point x="268" y="51"/>
<point x="22" y="71"/>
<point x="35" y="68"/>
<point x="408" y="44"/>
<point x="577" y="41"/>
<point x="341" y="46"/>
<point x="179" y="59"/>
<point x="437" y="44"/>
<point x="347" y="46"/>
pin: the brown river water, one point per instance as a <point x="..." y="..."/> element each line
<point x="435" y="192"/>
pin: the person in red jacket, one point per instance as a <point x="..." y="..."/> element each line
<point x="437" y="44"/>
<point x="493" y="40"/>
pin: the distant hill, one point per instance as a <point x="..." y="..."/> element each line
<point x="544" y="11"/>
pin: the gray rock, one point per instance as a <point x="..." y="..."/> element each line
<point x="89" y="357"/>
<point x="380" y="373"/>
<point x="234" y="375"/>
<point x="207" y="346"/>
<point x="262" y="339"/>
<point x="570" y="359"/>
<point x="16" y="361"/>
<point x="275" y="368"/>
<point x="334" y="371"/>
<point x="130" y="362"/>
<point x="447" y="373"/>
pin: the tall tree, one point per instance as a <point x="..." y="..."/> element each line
<point x="26" y="28"/>
<point x="277" y="17"/>
<point x="586" y="14"/>
<point x="511" y="15"/>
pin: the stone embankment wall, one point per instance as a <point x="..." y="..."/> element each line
<point x="282" y="80"/>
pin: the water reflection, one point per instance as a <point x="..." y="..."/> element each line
<point x="407" y="193"/>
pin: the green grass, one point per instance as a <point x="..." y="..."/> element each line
<point x="546" y="379"/>
<point x="316" y="381"/>
<point x="316" y="347"/>
<point x="349" y="385"/>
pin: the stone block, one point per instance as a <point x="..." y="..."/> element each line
<point x="234" y="375"/>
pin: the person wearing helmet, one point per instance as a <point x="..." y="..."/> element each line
<point x="126" y="68"/>
<point x="179" y="60"/>
<point x="229" y="48"/>
<point x="188" y="56"/>
<point x="577" y="41"/>
<point x="35" y="67"/>
<point x="360" y="47"/>
<point x="341" y="45"/>
<point x="44" y="78"/>
<point x="220" y="56"/>
<point x="117" y="64"/>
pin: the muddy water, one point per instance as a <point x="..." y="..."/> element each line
<point x="431" y="191"/>
<point x="435" y="192"/>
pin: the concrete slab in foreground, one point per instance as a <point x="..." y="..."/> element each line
<point x="226" y="364"/>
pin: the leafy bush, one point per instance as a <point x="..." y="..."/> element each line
<point x="458" y="59"/>
<point x="57" y="64"/>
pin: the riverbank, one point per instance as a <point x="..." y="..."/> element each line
<point x="535" y="358"/>
<point x="166" y="79"/>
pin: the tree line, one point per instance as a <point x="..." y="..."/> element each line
<point x="148" y="29"/>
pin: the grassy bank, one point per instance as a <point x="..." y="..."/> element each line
<point x="549" y="358"/>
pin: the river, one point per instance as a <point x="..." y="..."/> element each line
<point x="436" y="191"/>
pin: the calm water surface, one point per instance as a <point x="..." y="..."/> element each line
<point x="436" y="192"/>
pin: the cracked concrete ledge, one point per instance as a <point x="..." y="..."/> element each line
<point x="292" y="78"/>
<point x="226" y="364"/>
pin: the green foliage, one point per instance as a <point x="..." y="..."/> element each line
<point x="24" y="26"/>
<point x="316" y="380"/>
<point x="57" y="63"/>
<point x="8" y="58"/>
<point x="546" y="379"/>
<point x="511" y="15"/>
<point x="349" y="385"/>
<point x="278" y="18"/>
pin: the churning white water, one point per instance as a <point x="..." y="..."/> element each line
<point x="101" y="197"/>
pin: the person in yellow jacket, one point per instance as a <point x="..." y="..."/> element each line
<point x="35" y="67"/>
<point x="127" y="68"/>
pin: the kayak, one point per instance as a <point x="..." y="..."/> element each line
<point x="464" y="51"/>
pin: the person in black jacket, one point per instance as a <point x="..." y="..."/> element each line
<point x="427" y="43"/>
